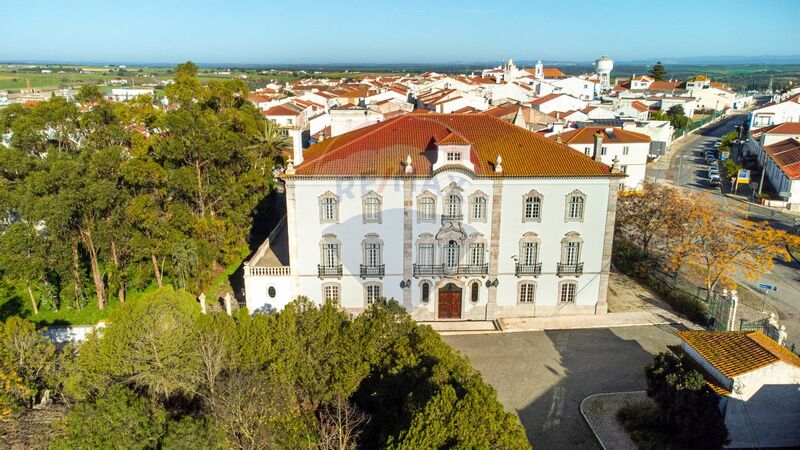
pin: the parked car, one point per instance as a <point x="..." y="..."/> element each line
<point x="714" y="180"/>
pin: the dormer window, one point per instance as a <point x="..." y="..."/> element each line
<point x="453" y="156"/>
<point x="453" y="149"/>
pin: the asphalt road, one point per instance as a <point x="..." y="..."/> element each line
<point x="543" y="376"/>
<point x="687" y="160"/>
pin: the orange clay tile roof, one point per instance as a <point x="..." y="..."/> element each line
<point x="639" y="106"/>
<point x="737" y="352"/>
<point x="282" y="110"/>
<point x="545" y="99"/>
<point x="585" y="135"/>
<point x="783" y="128"/>
<point x="786" y="155"/>
<point x="380" y="149"/>
<point x="502" y="111"/>
<point x="454" y="139"/>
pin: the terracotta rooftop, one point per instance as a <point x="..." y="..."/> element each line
<point x="786" y="155"/>
<point x="639" y="106"/>
<point x="585" y="135"/>
<point x="545" y="99"/>
<point x="782" y="128"/>
<point x="737" y="352"/>
<point x="380" y="149"/>
<point x="285" y="109"/>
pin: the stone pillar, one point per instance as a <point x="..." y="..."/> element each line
<point x="494" y="247"/>
<point x="782" y="335"/>
<point x="605" y="264"/>
<point x="291" y="230"/>
<point x="730" y="320"/>
<point x="228" y="304"/>
<point x="202" y="299"/>
<point x="408" y="239"/>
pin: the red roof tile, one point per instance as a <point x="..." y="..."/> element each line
<point x="585" y="135"/>
<point x="381" y="149"/>
<point x="786" y="155"/>
<point x="282" y="110"/>
<point x="736" y="352"/>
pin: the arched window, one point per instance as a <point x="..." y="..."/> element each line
<point x="426" y="207"/>
<point x="453" y="206"/>
<point x="425" y="289"/>
<point x="526" y="292"/>
<point x="532" y="207"/>
<point x="372" y="208"/>
<point x="474" y="291"/>
<point x="330" y="256"/>
<point x="567" y="290"/>
<point x="328" y="208"/>
<point x="571" y="249"/>
<point x="576" y="202"/>
<point x="451" y="256"/>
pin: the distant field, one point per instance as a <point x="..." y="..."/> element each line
<point x="13" y="77"/>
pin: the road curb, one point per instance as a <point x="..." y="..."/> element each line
<point x="586" y="419"/>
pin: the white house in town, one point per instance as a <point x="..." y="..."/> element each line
<point x="558" y="103"/>
<point x="623" y="149"/>
<point x="782" y="170"/>
<point x="455" y="216"/>
<point x="125" y="94"/>
<point x="776" y="113"/>
<point x="758" y="381"/>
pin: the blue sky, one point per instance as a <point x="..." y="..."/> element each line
<point x="400" y="31"/>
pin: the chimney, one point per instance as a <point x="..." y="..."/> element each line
<point x="297" y="146"/>
<point x="558" y="127"/>
<point x="598" y="144"/>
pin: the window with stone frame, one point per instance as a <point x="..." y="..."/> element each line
<point x="426" y="250"/>
<point x="575" y="206"/>
<point x="571" y="249"/>
<point x="330" y="247"/>
<point x="331" y="293"/>
<point x="477" y="253"/>
<point x="372" y="293"/>
<point x="373" y="250"/>
<point x="474" y="292"/>
<point x="529" y="249"/>
<point x="372" y="208"/>
<point x="477" y="207"/>
<point x="426" y="207"/>
<point x="425" y="292"/>
<point x="329" y="208"/>
<point x="567" y="290"/>
<point x="526" y="292"/>
<point x="532" y="207"/>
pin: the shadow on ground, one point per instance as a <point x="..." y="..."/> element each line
<point x="544" y="376"/>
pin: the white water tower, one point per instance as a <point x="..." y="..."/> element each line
<point x="603" y="66"/>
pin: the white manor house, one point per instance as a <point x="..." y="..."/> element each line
<point x="455" y="216"/>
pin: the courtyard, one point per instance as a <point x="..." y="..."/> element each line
<point x="543" y="376"/>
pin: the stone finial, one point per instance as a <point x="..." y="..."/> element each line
<point x="290" y="167"/>
<point x="498" y="164"/>
<point x="734" y="295"/>
<point x="409" y="167"/>
<point x="202" y="299"/>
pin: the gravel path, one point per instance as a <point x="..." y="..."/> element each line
<point x="600" y="411"/>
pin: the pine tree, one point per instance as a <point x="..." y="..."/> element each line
<point x="658" y="72"/>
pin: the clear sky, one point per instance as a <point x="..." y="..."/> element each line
<point x="399" y="31"/>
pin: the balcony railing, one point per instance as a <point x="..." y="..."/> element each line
<point x="438" y="270"/>
<point x="376" y="271"/>
<point x="329" y="271"/>
<point x="569" y="269"/>
<point x="452" y="218"/>
<point x="528" y="269"/>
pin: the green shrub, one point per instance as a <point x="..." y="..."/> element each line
<point x="641" y="421"/>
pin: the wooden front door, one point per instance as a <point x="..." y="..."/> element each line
<point x="450" y="302"/>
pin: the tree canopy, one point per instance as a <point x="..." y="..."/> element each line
<point x="109" y="197"/>
<point x="163" y="374"/>
<point x="658" y="72"/>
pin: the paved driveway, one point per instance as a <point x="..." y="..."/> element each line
<point x="543" y="376"/>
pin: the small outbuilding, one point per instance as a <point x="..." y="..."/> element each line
<point x="758" y="381"/>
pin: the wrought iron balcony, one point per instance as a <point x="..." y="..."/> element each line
<point x="452" y="218"/>
<point x="439" y="270"/>
<point x="528" y="269"/>
<point x="569" y="269"/>
<point x="376" y="271"/>
<point x="329" y="271"/>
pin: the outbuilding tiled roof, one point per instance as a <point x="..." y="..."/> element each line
<point x="786" y="155"/>
<point x="381" y="149"/>
<point x="734" y="353"/>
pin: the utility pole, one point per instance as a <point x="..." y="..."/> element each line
<point x="761" y="181"/>
<point x="680" y="163"/>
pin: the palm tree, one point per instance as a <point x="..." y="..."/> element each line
<point x="271" y="142"/>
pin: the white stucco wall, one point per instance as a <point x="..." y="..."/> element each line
<point x="351" y="230"/>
